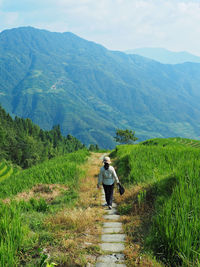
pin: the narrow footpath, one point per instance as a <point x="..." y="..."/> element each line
<point x="112" y="238"/>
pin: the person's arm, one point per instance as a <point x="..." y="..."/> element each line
<point x="115" y="175"/>
<point x="100" y="178"/>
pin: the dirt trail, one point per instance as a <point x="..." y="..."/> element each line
<point x="90" y="200"/>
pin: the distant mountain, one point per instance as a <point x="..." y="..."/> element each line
<point x="165" y="56"/>
<point x="59" y="78"/>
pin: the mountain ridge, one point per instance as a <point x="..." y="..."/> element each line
<point x="165" y="56"/>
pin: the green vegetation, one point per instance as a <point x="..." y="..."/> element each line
<point x="25" y="144"/>
<point x="168" y="171"/>
<point x="59" y="78"/>
<point x="23" y="222"/>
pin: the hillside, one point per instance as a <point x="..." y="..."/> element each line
<point x="59" y="78"/>
<point x="165" y="56"/>
<point x="26" y="144"/>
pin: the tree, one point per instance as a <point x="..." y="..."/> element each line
<point x="93" y="147"/>
<point x="125" y="136"/>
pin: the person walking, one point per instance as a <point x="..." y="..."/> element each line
<point x="107" y="177"/>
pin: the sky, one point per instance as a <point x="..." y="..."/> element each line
<point x="116" y="24"/>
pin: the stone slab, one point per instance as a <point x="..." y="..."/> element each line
<point x="112" y="247"/>
<point x="112" y="211"/>
<point x="111" y="217"/>
<point x="114" y="258"/>
<point x="113" y="238"/>
<point x="112" y="224"/>
<point x="110" y="230"/>
<point x="110" y="264"/>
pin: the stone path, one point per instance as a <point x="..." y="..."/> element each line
<point x="112" y="239"/>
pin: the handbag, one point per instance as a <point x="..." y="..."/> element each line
<point x="121" y="189"/>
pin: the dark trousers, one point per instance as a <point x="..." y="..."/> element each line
<point x="108" y="189"/>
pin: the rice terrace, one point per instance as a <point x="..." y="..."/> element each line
<point x="51" y="213"/>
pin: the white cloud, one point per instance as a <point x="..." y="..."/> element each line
<point x="9" y="19"/>
<point x="118" y="24"/>
<point x="129" y="23"/>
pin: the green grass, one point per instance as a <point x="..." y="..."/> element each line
<point x="22" y="227"/>
<point x="170" y="170"/>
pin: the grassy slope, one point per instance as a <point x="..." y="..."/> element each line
<point x="23" y="231"/>
<point x="165" y="175"/>
<point x="62" y="169"/>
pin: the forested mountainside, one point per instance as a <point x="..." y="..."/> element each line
<point x="59" y="78"/>
<point x="26" y="144"/>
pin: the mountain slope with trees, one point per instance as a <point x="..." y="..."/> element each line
<point x="59" y="78"/>
<point x="26" y="144"/>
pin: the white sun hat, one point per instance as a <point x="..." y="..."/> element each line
<point x="106" y="160"/>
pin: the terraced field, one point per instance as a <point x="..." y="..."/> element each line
<point x="188" y="142"/>
<point x="6" y="170"/>
<point x="174" y="141"/>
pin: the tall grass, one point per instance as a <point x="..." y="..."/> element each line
<point x="173" y="173"/>
<point x="175" y="229"/>
<point x="138" y="164"/>
<point x="11" y="234"/>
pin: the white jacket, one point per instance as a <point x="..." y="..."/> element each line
<point x="107" y="177"/>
